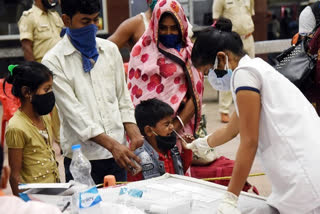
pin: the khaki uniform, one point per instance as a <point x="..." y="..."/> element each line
<point x="39" y="164"/>
<point x="240" y="13"/>
<point x="42" y="28"/>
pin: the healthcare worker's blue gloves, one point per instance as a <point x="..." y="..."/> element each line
<point x="229" y="204"/>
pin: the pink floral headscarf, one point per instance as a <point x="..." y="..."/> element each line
<point x="154" y="75"/>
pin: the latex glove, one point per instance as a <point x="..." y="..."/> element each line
<point x="199" y="144"/>
<point x="229" y="204"/>
<point x="202" y="152"/>
<point x="200" y="147"/>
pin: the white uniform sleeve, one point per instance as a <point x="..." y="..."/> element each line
<point x="247" y="79"/>
<point x="307" y="21"/>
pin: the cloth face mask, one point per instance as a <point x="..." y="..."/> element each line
<point x="165" y="143"/>
<point x="43" y="103"/>
<point x="171" y="41"/>
<point x="84" y="40"/>
<point x="49" y="4"/>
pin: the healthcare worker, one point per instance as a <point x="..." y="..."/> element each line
<point x="274" y="119"/>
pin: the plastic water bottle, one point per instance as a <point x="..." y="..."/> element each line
<point x="86" y="199"/>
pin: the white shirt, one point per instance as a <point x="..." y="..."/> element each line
<point x="14" y="205"/>
<point x="89" y="103"/>
<point x="289" y="137"/>
<point x="307" y="21"/>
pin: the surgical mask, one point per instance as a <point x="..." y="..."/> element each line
<point x="171" y="41"/>
<point x="43" y="103"/>
<point x="165" y="143"/>
<point x="84" y="40"/>
<point x="220" y="79"/>
<point x="152" y="4"/>
<point x="49" y="4"/>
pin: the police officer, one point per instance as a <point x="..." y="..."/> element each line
<point x="39" y="29"/>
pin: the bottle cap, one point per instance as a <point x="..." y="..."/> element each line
<point x="77" y="146"/>
<point x="109" y="180"/>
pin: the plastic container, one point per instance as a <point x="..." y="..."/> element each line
<point x="86" y="199"/>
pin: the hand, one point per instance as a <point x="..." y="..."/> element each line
<point x="188" y="138"/>
<point x="202" y="151"/>
<point x="136" y="142"/>
<point x="229" y="204"/>
<point x="135" y="136"/>
<point x="123" y="156"/>
<point x="199" y="144"/>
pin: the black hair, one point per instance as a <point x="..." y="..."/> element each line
<point x="150" y="112"/>
<point x="214" y="39"/>
<point x="1" y="160"/>
<point x="71" y="7"/>
<point x="29" y="74"/>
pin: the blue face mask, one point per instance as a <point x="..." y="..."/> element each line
<point x="220" y="79"/>
<point x="153" y="4"/>
<point x="84" y="40"/>
<point x="171" y="41"/>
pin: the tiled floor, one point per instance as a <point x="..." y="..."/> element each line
<point x="213" y="122"/>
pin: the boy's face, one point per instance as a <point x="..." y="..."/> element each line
<point x="80" y="20"/>
<point x="164" y="127"/>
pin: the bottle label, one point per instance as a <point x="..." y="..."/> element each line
<point x="89" y="198"/>
<point x="136" y="193"/>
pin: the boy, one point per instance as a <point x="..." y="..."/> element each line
<point x="159" y="153"/>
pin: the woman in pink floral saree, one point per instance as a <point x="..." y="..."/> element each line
<point x="160" y="67"/>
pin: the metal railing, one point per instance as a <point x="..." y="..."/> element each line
<point x="272" y="46"/>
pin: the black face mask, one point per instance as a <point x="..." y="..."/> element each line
<point x="165" y="143"/>
<point x="44" y="103"/>
<point x="49" y="4"/>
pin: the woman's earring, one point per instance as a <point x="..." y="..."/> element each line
<point x="30" y="99"/>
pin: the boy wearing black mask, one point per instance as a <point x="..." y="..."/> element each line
<point x="159" y="153"/>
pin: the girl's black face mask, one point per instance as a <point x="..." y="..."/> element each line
<point x="44" y="103"/>
<point x="165" y="143"/>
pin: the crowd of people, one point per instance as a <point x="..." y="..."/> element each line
<point x="73" y="90"/>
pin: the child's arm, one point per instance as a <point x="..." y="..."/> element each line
<point x="15" y="139"/>
<point x="15" y="163"/>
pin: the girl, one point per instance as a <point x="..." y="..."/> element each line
<point x="274" y="119"/>
<point x="29" y="134"/>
